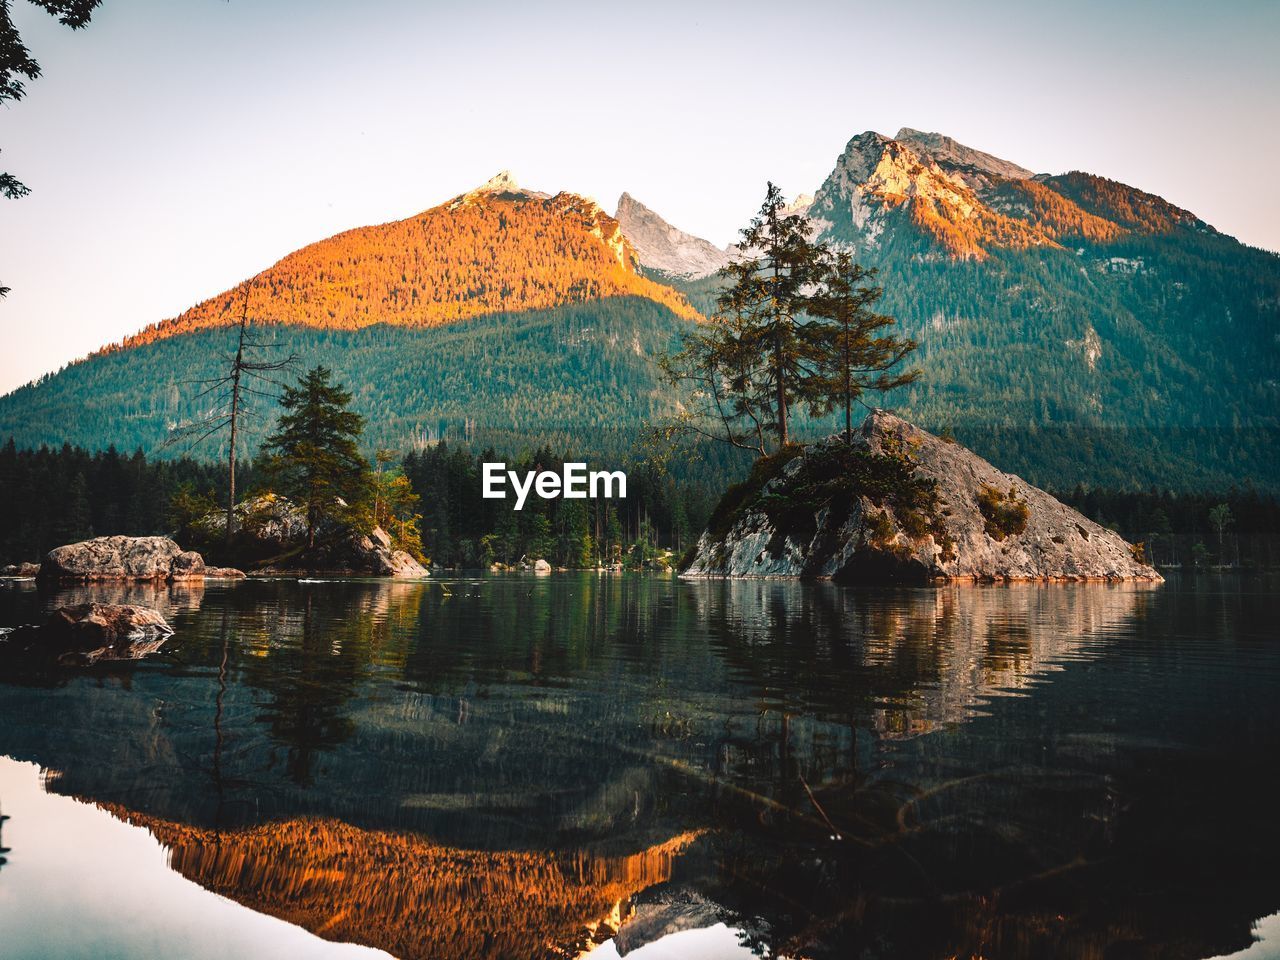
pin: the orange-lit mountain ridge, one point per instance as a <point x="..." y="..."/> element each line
<point x="496" y="248"/>
<point x="967" y="203"/>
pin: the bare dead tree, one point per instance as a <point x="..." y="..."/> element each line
<point x="230" y="391"/>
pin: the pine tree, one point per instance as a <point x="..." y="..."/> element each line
<point x="769" y="293"/>
<point x="856" y="355"/>
<point x="761" y="354"/>
<point x="315" y="457"/>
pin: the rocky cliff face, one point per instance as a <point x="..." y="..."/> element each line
<point x="974" y="166"/>
<point x="660" y="246"/>
<point x="969" y="204"/>
<point x="901" y="504"/>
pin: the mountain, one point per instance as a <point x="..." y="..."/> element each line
<point x="669" y="250"/>
<point x="1072" y="329"/>
<point x="970" y="203"/>
<point x="972" y="165"/>
<point x="505" y="316"/>
<point x="498" y="248"/>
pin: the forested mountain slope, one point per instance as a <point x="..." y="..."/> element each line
<point x="1060" y="301"/>
<point x="497" y="248"/>
<point x="1072" y="329"/>
<point x="579" y="376"/>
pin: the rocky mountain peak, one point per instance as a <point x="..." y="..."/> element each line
<point x="958" y="158"/>
<point x="862" y="154"/>
<point x="661" y="246"/>
<point x="502" y="182"/>
<point x="799" y="206"/>
<point x="502" y="185"/>
<point x="876" y="176"/>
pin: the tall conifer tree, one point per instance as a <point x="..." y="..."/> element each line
<point x="314" y="452"/>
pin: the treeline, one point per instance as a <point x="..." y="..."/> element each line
<point x="460" y="528"/>
<point x="570" y="377"/>
<point x="49" y="497"/>
<point x="1239" y="528"/>
<point x="53" y="496"/>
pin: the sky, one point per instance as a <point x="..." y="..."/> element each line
<point x="175" y="147"/>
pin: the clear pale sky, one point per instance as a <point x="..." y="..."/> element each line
<point x="175" y="147"/>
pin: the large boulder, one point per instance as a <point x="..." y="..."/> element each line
<point x="269" y="521"/>
<point x="901" y="504"/>
<point x="374" y="554"/>
<point x="89" y="633"/>
<point x="272" y="528"/>
<point x="122" y="558"/>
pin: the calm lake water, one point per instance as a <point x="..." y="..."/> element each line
<point x="514" y="767"/>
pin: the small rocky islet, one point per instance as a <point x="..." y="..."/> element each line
<point x="897" y="503"/>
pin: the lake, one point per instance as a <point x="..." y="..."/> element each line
<point x="603" y="765"/>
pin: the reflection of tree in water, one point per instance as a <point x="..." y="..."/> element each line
<point x="310" y="667"/>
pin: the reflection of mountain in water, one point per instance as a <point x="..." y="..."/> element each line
<point x="413" y="898"/>
<point x="530" y="728"/>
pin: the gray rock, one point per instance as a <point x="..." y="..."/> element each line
<point x="374" y="554"/>
<point x="270" y="520"/>
<point x="660" y="246"/>
<point x="274" y="528"/>
<point x="985" y="525"/>
<point x="188" y="565"/>
<point x="122" y="558"/>
<point x="223" y="573"/>
<point x="89" y="633"/>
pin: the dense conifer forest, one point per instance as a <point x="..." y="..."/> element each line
<point x="56" y="496"/>
<point x="60" y="496"/>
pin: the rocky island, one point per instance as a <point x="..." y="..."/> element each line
<point x="900" y="504"/>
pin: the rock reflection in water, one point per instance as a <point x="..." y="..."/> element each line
<point x="926" y="657"/>
<point x="168" y="598"/>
